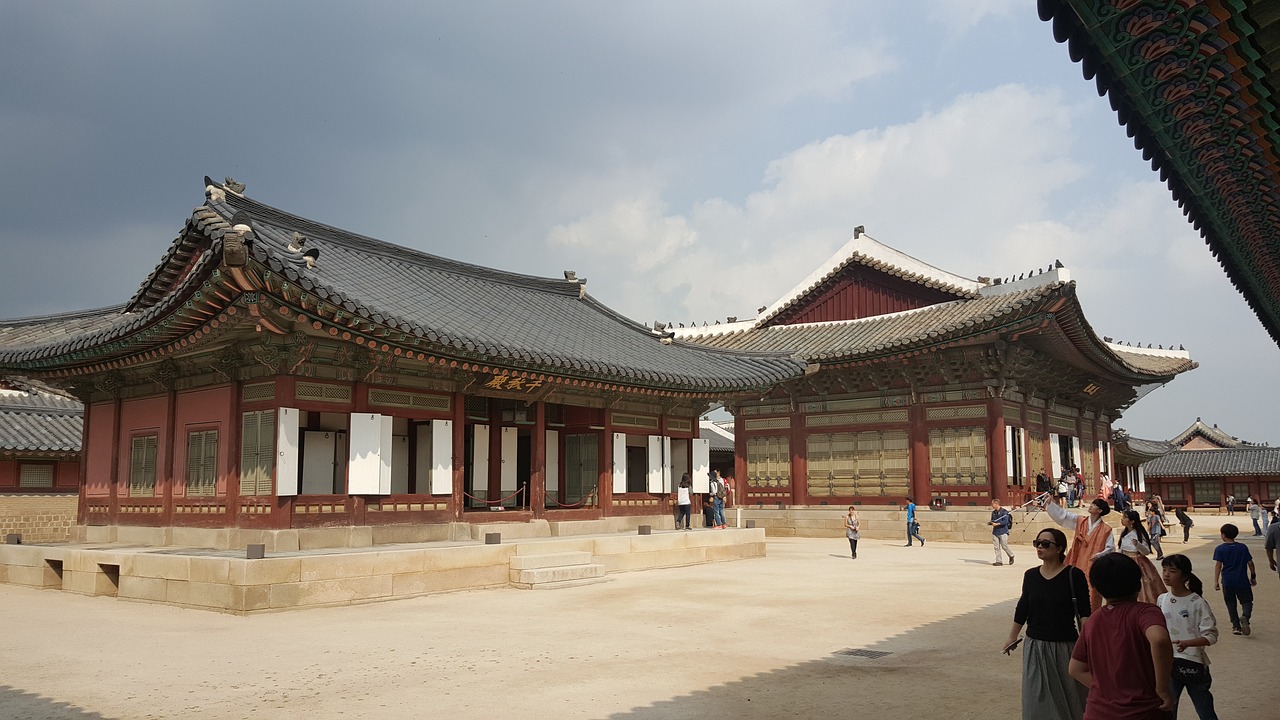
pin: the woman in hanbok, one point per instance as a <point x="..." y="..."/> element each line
<point x="1136" y="543"/>
<point x="1092" y="538"/>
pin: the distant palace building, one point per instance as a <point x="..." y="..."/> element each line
<point x="920" y="382"/>
<point x="274" y="372"/>
<point x="1205" y="464"/>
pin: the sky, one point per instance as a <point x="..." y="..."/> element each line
<point x="693" y="160"/>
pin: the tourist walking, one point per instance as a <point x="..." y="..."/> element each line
<point x="1054" y="598"/>
<point x="1106" y="488"/>
<point x="1155" y="528"/>
<point x="1136" y="543"/>
<point x="851" y="531"/>
<point x="684" y="501"/>
<point x="1093" y="538"/>
<point x="1272" y="543"/>
<point x="1255" y="512"/>
<point x="1186" y="522"/>
<point x="1124" y="654"/>
<point x="1231" y="561"/>
<point x="1231" y="504"/>
<point x="1001" y="523"/>
<point x="1192" y="628"/>
<point x="717" y="500"/>
<point x="913" y="527"/>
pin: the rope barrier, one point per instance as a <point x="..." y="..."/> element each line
<point x="589" y="496"/>
<point x="492" y="502"/>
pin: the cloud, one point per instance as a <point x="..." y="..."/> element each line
<point x="962" y="15"/>
<point x="940" y="187"/>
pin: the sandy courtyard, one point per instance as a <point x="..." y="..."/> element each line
<point x="747" y="639"/>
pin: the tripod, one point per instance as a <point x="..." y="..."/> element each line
<point x="1031" y="508"/>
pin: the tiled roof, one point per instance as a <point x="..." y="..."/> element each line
<point x="466" y="310"/>
<point x="895" y="332"/>
<point x="717" y="437"/>
<point x="1135" y="451"/>
<point x="1211" y="433"/>
<point x="863" y="250"/>
<point x="1216" y="463"/>
<point x="1195" y="85"/>
<point x="35" y="421"/>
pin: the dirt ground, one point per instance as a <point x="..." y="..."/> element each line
<point x="748" y="639"/>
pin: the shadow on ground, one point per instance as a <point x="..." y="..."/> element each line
<point x="22" y="705"/>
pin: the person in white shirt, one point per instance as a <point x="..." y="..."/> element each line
<point x="1192" y="628"/>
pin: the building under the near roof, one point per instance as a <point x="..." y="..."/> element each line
<point x="923" y="383"/>
<point x="273" y="372"/>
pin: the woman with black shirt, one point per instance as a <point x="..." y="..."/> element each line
<point x="1053" y="595"/>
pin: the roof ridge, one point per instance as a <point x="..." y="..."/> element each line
<point x="862" y="246"/>
<point x="38" y="319"/>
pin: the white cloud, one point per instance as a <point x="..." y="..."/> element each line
<point x="939" y="188"/>
<point x="961" y="15"/>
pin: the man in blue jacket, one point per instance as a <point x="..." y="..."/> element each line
<point x="1001" y="523"/>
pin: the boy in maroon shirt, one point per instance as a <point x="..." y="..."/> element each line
<point x="1124" y="654"/>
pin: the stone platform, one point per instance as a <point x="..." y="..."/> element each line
<point x="223" y="579"/>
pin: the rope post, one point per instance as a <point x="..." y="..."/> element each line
<point x="493" y="538"/>
<point x="255" y="552"/>
<point x="646" y="529"/>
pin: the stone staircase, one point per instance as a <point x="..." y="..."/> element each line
<point x="555" y="570"/>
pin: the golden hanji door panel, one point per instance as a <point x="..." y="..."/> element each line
<point x="1035" y="455"/>
<point x="769" y="461"/>
<point x="872" y="463"/>
<point x="958" y="456"/>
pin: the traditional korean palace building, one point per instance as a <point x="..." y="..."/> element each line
<point x="273" y="372"/>
<point x="923" y="383"/>
<point x="40" y="432"/>
<point x="1206" y="464"/>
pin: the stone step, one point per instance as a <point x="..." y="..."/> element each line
<point x="545" y="560"/>
<point x="558" y="584"/>
<point x="536" y="576"/>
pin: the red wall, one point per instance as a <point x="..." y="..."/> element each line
<point x="208" y="409"/>
<point x="101" y="421"/>
<point x="861" y="292"/>
<point x="145" y="416"/>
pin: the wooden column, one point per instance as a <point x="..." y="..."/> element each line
<point x="604" y="485"/>
<point x="114" y="501"/>
<point x="997" y="451"/>
<point x="538" y="474"/>
<point x="919" y="455"/>
<point x="799" y="442"/>
<point x="739" y="455"/>
<point x="172" y="479"/>
<point x="456" y="500"/>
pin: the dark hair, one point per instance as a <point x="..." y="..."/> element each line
<point x="1059" y="539"/>
<point x="1230" y="531"/>
<point x="684" y="480"/>
<point x="1103" y="507"/>
<point x="1138" y="527"/>
<point x="1116" y="576"/>
<point x="910" y="499"/>
<point x="1182" y="564"/>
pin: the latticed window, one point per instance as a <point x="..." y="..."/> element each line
<point x="257" y="452"/>
<point x="35" y="475"/>
<point x="202" y="463"/>
<point x="1273" y="491"/>
<point x="1174" y="494"/>
<point x="870" y="463"/>
<point x="958" y="456"/>
<point x="142" y="466"/>
<point x="1208" y="492"/>
<point x="769" y="461"/>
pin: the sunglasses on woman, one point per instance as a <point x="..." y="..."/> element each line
<point x="1043" y="544"/>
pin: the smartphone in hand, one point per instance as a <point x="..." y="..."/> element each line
<point x="1012" y="646"/>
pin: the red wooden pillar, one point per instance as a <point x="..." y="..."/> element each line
<point x="604" y="486"/>
<point x="175" y="474"/>
<point x="739" y="455"/>
<point x="538" y="476"/>
<point x="495" y="454"/>
<point x="114" y="501"/>
<point x="997" y="451"/>
<point x="799" y="442"/>
<point x="919" y="455"/>
<point x="456" y="499"/>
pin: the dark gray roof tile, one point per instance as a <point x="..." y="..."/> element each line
<point x="1215" y="463"/>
